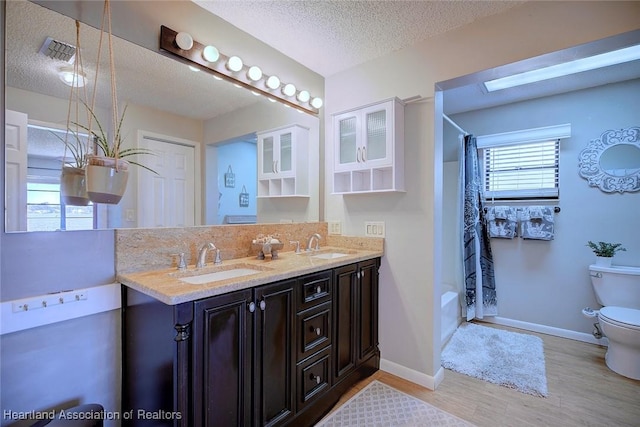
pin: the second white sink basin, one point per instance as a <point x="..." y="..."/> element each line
<point x="217" y="273"/>
<point x="330" y="255"/>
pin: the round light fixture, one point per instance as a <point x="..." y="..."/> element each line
<point x="273" y="82"/>
<point x="303" y="96"/>
<point x="184" y="41"/>
<point x="210" y="54"/>
<point x="254" y="73"/>
<point x="194" y="69"/>
<point x="316" y="103"/>
<point x="289" y="89"/>
<point x="70" y="78"/>
<point x="234" y="64"/>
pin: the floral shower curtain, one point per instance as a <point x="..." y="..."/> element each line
<point x="479" y="280"/>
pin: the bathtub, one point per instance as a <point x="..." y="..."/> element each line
<point x="450" y="313"/>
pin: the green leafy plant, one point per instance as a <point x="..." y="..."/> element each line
<point x="77" y="147"/>
<point x="605" y="249"/>
<point x="114" y="149"/>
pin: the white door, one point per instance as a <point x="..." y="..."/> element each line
<point x="15" y="171"/>
<point x="168" y="198"/>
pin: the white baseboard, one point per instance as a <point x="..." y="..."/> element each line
<point x="412" y="375"/>
<point x="549" y="330"/>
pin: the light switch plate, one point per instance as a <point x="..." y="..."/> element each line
<point x="374" y="229"/>
<point x="335" y="227"/>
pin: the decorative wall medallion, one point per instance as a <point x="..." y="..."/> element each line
<point x="612" y="162"/>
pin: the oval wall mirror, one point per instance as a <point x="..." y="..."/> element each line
<point x="612" y="162"/>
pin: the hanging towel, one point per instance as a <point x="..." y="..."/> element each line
<point x="536" y="223"/>
<point x="502" y="222"/>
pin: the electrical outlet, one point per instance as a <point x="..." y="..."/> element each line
<point x="335" y="227"/>
<point x="374" y="229"/>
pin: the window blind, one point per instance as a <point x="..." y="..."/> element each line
<point x="521" y="171"/>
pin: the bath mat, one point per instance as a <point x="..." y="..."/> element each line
<point x="501" y="357"/>
<point x="378" y="405"/>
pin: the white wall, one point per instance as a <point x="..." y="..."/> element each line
<point x="547" y="283"/>
<point x="410" y="274"/>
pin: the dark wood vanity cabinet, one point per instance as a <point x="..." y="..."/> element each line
<point x="355" y="316"/>
<point x="265" y="356"/>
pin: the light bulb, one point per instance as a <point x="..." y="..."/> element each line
<point x="316" y="103"/>
<point x="234" y="64"/>
<point x="289" y="89"/>
<point x="69" y="77"/>
<point x="303" y="96"/>
<point x="254" y="73"/>
<point x="273" y="82"/>
<point x="184" y="41"/>
<point x="210" y="54"/>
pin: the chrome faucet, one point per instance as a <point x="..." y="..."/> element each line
<point x="202" y="255"/>
<point x="313" y="237"/>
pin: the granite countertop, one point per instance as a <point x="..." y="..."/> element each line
<point x="165" y="285"/>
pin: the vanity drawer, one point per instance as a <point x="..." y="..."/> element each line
<point x="313" y="377"/>
<point x="316" y="289"/>
<point x="314" y="330"/>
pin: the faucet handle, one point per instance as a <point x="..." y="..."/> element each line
<point x="218" y="259"/>
<point x="297" y="243"/>
<point x="182" y="265"/>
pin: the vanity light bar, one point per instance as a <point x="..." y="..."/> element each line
<point x="237" y="73"/>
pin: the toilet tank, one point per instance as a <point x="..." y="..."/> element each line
<point x="616" y="285"/>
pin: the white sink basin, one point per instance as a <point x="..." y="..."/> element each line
<point x="330" y="255"/>
<point x="220" y="274"/>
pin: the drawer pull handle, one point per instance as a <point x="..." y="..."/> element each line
<point x="252" y="306"/>
<point x="263" y="305"/>
<point x="315" y="378"/>
<point x="318" y="332"/>
<point x="318" y="290"/>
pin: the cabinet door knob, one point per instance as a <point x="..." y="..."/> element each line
<point x="315" y="378"/>
<point x="263" y="305"/>
<point x="252" y="306"/>
<point x="318" y="290"/>
<point x="318" y="332"/>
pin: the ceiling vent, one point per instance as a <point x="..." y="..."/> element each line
<point x="58" y="50"/>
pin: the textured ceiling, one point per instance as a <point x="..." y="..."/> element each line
<point x="329" y="36"/>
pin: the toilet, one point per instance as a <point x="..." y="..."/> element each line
<point x="617" y="289"/>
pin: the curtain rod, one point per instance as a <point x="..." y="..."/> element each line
<point x="454" y="124"/>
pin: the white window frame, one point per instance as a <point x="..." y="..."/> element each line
<point x="521" y="138"/>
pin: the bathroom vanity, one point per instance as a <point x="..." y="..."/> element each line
<point x="277" y="347"/>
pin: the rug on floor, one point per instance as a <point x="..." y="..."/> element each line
<point x="501" y="357"/>
<point x="382" y="406"/>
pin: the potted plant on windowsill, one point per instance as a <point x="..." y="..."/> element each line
<point x="605" y="251"/>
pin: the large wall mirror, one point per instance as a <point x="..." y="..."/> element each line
<point x="168" y="105"/>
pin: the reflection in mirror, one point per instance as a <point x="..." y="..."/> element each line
<point x="621" y="160"/>
<point x="185" y="116"/>
<point x="612" y="162"/>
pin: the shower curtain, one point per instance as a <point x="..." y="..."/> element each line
<point x="479" y="280"/>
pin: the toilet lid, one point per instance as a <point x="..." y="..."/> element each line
<point x="627" y="317"/>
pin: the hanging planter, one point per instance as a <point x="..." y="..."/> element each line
<point x="73" y="187"/>
<point x="107" y="171"/>
<point x="106" y="179"/>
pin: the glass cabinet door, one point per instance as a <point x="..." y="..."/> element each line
<point x="347" y="140"/>
<point x="267" y="155"/>
<point x="376" y="137"/>
<point x="286" y="153"/>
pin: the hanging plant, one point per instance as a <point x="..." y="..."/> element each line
<point x="107" y="169"/>
<point x="73" y="189"/>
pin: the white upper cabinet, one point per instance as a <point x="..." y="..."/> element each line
<point x="369" y="149"/>
<point x="283" y="162"/>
